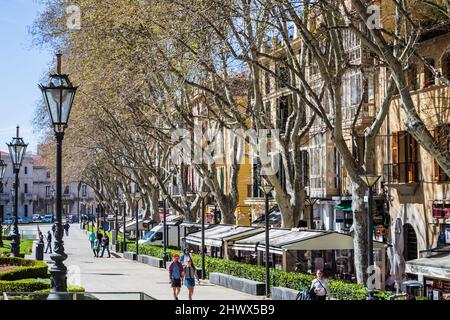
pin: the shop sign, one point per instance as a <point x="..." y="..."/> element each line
<point x="340" y="216"/>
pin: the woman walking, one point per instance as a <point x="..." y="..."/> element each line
<point x="320" y="286"/>
<point x="185" y="257"/>
<point x="190" y="273"/>
<point x="92" y="239"/>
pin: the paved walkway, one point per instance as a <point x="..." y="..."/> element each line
<point x="121" y="275"/>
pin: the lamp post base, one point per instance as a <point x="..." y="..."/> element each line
<point x="15" y="243"/>
<point x="58" y="271"/>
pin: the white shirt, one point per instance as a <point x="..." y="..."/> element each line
<point x="320" y="287"/>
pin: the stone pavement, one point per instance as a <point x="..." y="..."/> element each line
<point x="121" y="275"/>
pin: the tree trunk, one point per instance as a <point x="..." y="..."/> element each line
<point x="154" y="205"/>
<point x="360" y="236"/>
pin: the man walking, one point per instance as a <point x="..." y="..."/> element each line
<point x="105" y="245"/>
<point x="66" y="228"/>
<point x="175" y="275"/>
<point x="54" y="228"/>
<point x="49" y="242"/>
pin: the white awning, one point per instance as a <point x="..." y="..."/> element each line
<point x="217" y="235"/>
<point x="250" y="243"/>
<point x="437" y="266"/>
<point x="327" y="240"/>
<point x="281" y="240"/>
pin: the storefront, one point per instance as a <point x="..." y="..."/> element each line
<point x="434" y="271"/>
<point x="305" y="251"/>
<point x="220" y="238"/>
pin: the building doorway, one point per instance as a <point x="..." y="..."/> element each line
<point x="410" y="238"/>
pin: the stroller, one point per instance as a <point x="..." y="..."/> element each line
<point x="305" y="294"/>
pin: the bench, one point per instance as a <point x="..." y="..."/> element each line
<point x="152" y="261"/>
<point x="239" y="284"/>
<point x="129" y="255"/>
<point x="280" y="293"/>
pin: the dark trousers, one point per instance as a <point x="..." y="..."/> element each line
<point x="49" y="246"/>
<point x="321" y="297"/>
<point x="107" y="249"/>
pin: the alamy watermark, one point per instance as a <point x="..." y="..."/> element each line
<point x="73" y="21"/>
<point x="226" y="147"/>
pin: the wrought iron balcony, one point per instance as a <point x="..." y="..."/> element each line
<point x="404" y="176"/>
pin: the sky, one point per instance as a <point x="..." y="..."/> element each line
<point x="22" y="66"/>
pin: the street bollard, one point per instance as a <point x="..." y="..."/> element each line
<point x="40" y="251"/>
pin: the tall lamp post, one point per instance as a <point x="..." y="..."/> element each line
<point x="203" y="195"/>
<point x="370" y="179"/>
<point x="164" y="197"/>
<point x="58" y="96"/>
<point x="3" y="166"/>
<point x="267" y="189"/>
<point x="17" y="149"/>
<point x="124" y="244"/>
<point x="137" y="197"/>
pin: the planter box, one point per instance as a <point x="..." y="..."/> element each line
<point x="280" y="293"/>
<point x="152" y="261"/>
<point x="129" y="255"/>
<point x="239" y="284"/>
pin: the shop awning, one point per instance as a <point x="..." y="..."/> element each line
<point x="284" y="240"/>
<point x="219" y="234"/>
<point x="344" y="206"/>
<point x="436" y="266"/>
<point x="250" y="243"/>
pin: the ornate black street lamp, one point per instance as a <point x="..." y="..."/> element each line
<point x="17" y="149"/>
<point x="267" y="189"/>
<point x="137" y="197"/>
<point x="3" y="166"/>
<point x="124" y="204"/>
<point x="203" y="195"/>
<point x="370" y="179"/>
<point x="58" y="97"/>
<point x="164" y="197"/>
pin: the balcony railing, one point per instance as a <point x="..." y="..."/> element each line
<point x="253" y="191"/>
<point x="68" y="196"/>
<point x="5" y="196"/>
<point x="28" y="197"/>
<point x="402" y="172"/>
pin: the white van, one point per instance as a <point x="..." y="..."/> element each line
<point x="155" y="236"/>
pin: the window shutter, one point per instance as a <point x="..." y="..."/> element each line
<point x="395" y="147"/>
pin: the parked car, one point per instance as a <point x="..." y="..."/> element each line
<point x="36" y="218"/>
<point x="20" y="220"/>
<point x="48" y="218"/>
<point x="8" y="221"/>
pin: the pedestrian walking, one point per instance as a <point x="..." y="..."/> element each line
<point x="49" y="242"/>
<point x="92" y="239"/>
<point x="190" y="273"/>
<point x="319" y="287"/>
<point x="54" y="228"/>
<point x="41" y="237"/>
<point x="96" y="248"/>
<point x="98" y="243"/>
<point x="185" y="257"/>
<point x="175" y="275"/>
<point x="66" y="228"/>
<point x="105" y="245"/>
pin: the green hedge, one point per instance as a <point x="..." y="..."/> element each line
<point x="26" y="269"/>
<point x="24" y="285"/>
<point x="298" y="281"/>
<point x="25" y="247"/>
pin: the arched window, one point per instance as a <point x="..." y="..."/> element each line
<point x="445" y="65"/>
<point x="410" y="240"/>
<point x="413" y="82"/>
<point x="428" y="75"/>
